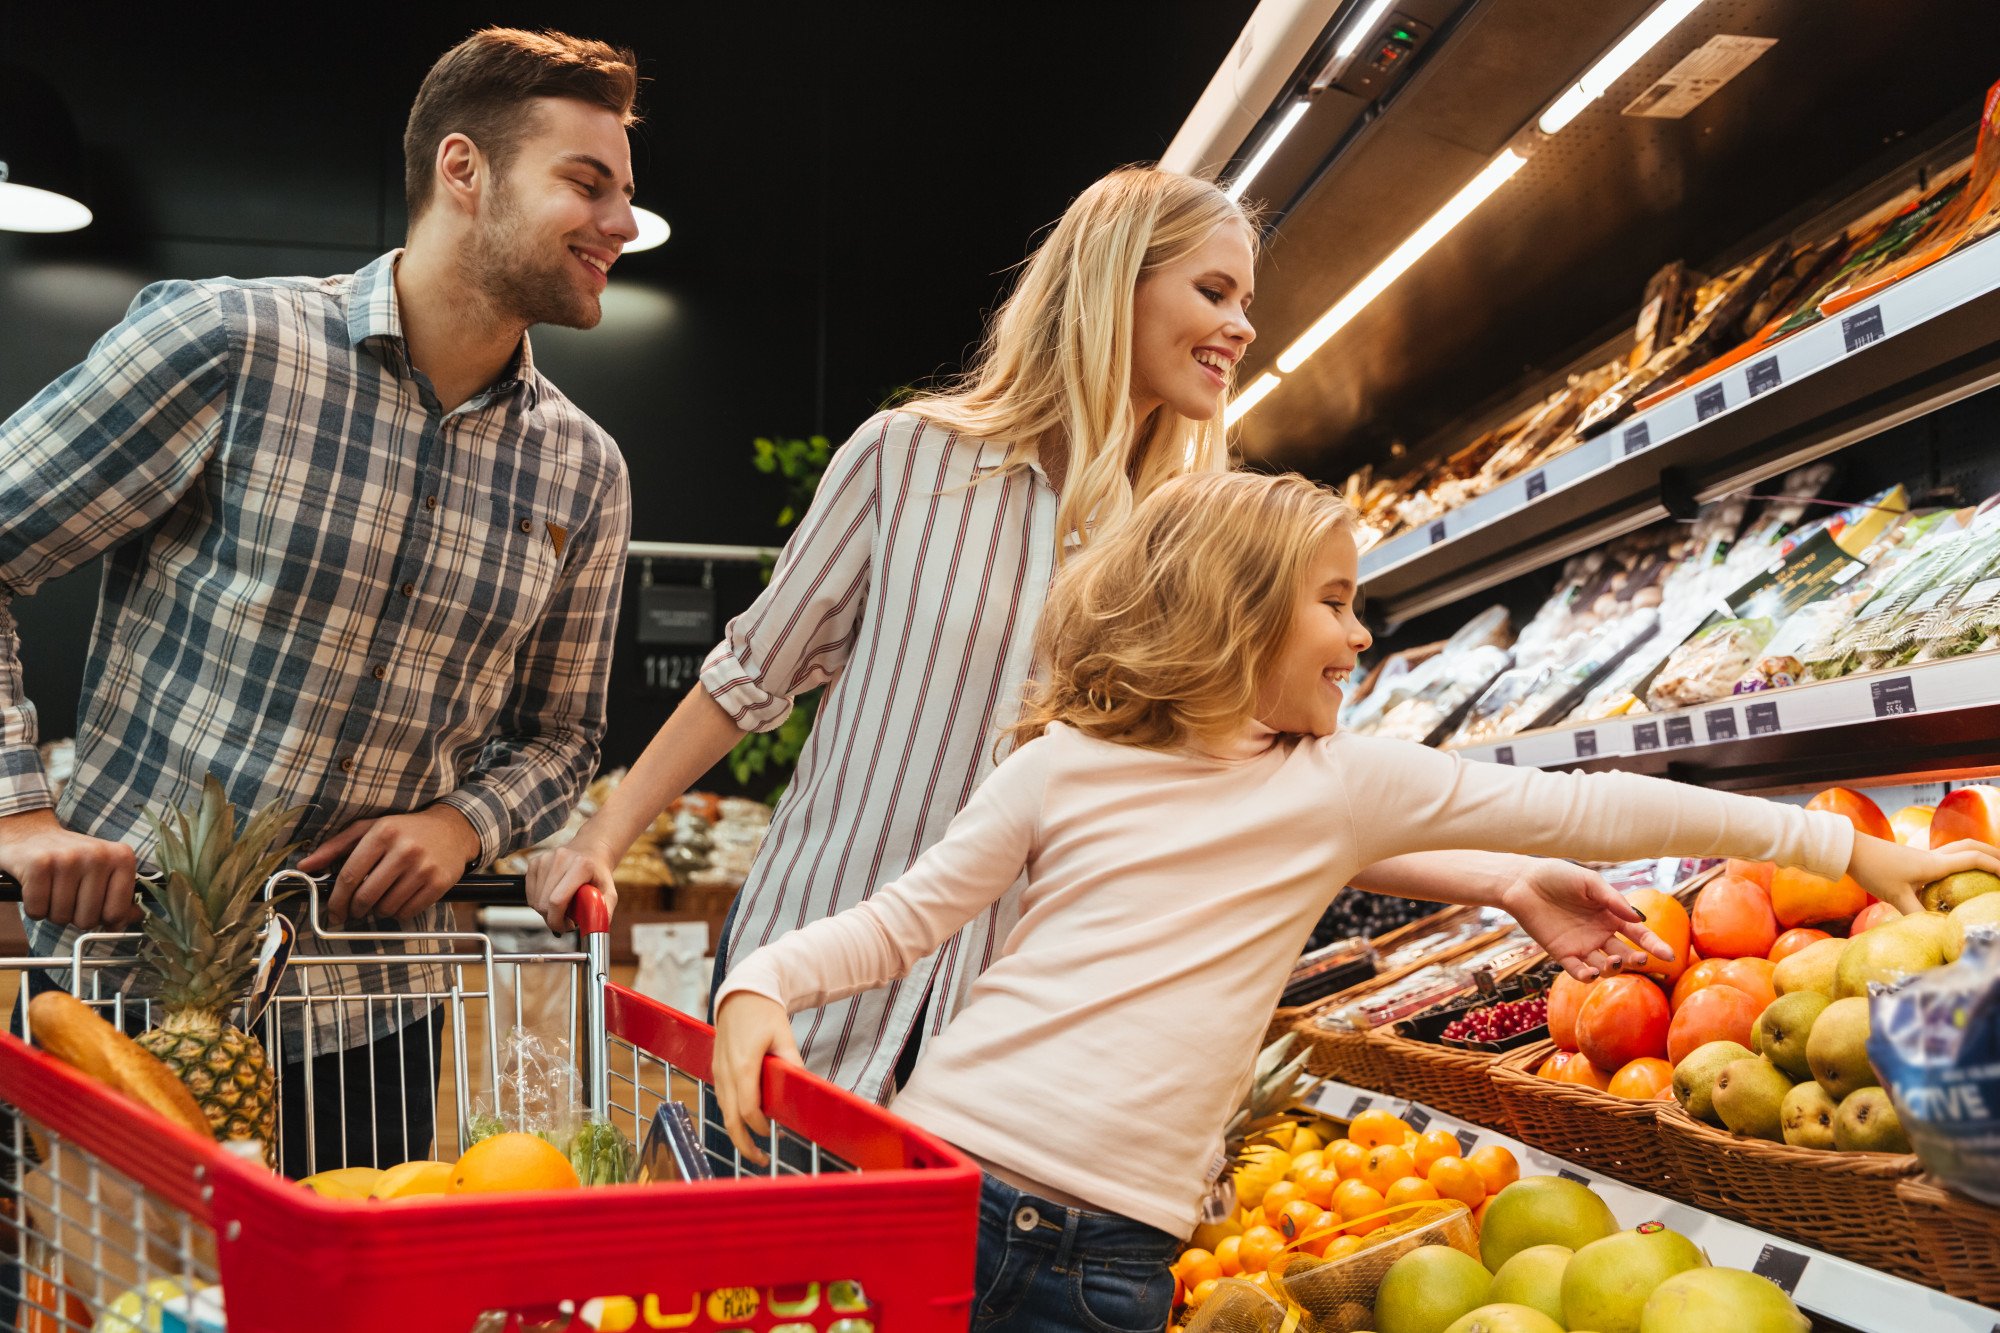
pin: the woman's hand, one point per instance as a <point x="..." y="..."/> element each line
<point x="554" y="877"/>
<point x="1894" y="873"/>
<point x="748" y="1027"/>
<point x="1579" y="919"/>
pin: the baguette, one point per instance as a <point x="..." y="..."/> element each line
<point x="73" y="1033"/>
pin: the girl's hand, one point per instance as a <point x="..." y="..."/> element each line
<point x="1578" y="919"/>
<point x="1894" y="873"/>
<point x="554" y="877"/>
<point x="747" y="1028"/>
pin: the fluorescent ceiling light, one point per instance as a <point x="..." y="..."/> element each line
<point x="1262" y="156"/>
<point x="1412" y="249"/>
<point x="1357" y="31"/>
<point x="1612" y="65"/>
<point x="653" y="231"/>
<point x="25" y="208"/>
<point x="1259" y="389"/>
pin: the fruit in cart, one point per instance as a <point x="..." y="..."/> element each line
<point x="1542" y="1210"/>
<point x="1867" y="1122"/>
<point x="1806" y="1118"/>
<point x="411" y="1179"/>
<point x="1959" y="889"/>
<point x="1912" y="825"/>
<point x="1506" y="1319"/>
<point x="602" y="1155"/>
<point x="1871" y="916"/>
<point x="1793" y="940"/>
<point x="140" y="1309"/>
<point x="1732" y="918"/>
<point x="1669" y="920"/>
<point x="1981" y="911"/>
<point x="1496" y="1167"/>
<point x="1694" y="1076"/>
<point x="1837" y="1048"/>
<point x="1607" y="1283"/>
<point x="1566" y="997"/>
<point x="1644" y="1079"/>
<point x="1711" y="1014"/>
<point x="1970" y="812"/>
<point x="1886" y="954"/>
<point x="1622" y="1019"/>
<point x="1752" y="976"/>
<point x="1428" y="1288"/>
<point x="1811" y="968"/>
<point x="1749" y="1097"/>
<point x="512" y="1161"/>
<point x="204" y="922"/>
<point x="347" y="1182"/>
<point x="1709" y="1300"/>
<point x="1533" y="1278"/>
<point x="1781" y="1031"/>
<point x="1701" y="973"/>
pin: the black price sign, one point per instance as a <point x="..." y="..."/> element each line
<point x="1360" y="1104"/>
<point x="1504" y="755"/>
<point x="1538" y="485"/>
<point x="1782" y="1266"/>
<point x="1863" y="327"/>
<point x="1680" y="731"/>
<point x="1721" y="724"/>
<point x="1764" y="718"/>
<point x="1709" y="402"/>
<point x="1466" y="1138"/>
<point x="1893" y="697"/>
<point x="676" y="615"/>
<point x="1575" y="1176"/>
<point x="1437" y="532"/>
<point x="1764" y="376"/>
<point x="1586" y="744"/>
<point x="1416" y="1118"/>
<point x="1638" y="437"/>
<point x="1646" y="735"/>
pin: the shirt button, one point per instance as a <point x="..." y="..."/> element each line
<point x="409" y="590"/>
<point x="347" y="764"/>
<point x="430" y="502"/>
<point x="527" y="525"/>
<point x="381" y="673"/>
<point x="1027" y="1219"/>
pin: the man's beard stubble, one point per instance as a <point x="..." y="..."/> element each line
<point x="519" y="281"/>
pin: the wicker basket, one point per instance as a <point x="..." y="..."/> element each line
<point x="1844" y="1203"/>
<point x="1456" y="1082"/>
<point x="1614" y="1136"/>
<point x="1958" y="1237"/>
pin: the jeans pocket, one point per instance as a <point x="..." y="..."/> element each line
<point x="1125" y="1295"/>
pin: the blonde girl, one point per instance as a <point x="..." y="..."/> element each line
<point x="1182" y="809"/>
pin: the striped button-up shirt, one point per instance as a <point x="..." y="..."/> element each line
<point x="914" y="586"/>
<point x="318" y="585"/>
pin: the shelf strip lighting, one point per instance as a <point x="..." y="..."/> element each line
<point x="1434" y="229"/>
<point x="1266" y="149"/>
<point x="1611" y="66"/>
<point x="1357" y="31"/>
<point x="1249" y="398"/>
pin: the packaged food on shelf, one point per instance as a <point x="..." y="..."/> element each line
<point x="1425" y="674"/>
<point x="1525" y="698"/>
<point x="1935" y="1040"/>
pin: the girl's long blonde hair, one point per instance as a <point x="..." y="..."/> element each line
<point x="1056" y="362"/>
<point x="1160" y="633"/>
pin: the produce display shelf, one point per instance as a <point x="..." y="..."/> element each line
<point x="1930" y="340"/>
<point x="1837" y="1294"/>
<point x="1875" y="726"/>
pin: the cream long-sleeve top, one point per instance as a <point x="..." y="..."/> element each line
<point x="1167" y="896"/>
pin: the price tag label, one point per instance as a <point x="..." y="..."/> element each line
<point x="1782" y="1266"/>
<point x="1437" y="532"/>
<point x="1862" y="327"/>
<point x="1466" y="1138"/>
<point x="1721" y="724"/>
<point x="1764" y="376"/>
<point x="1360" y="1104"/>
<point x="1538" y="485"/>
<point x="1709" y="402"/>
<point x="1638" y="437"/>
<point x="1576" y="1176"/>
<point x="1893" y="697"/>
<point x="1504" y="755"/>
<point x="1646" y="735"/>
<point x="1417" y="1118"/>
<point x="1680" y="731"/>
<point x="1763" y="718"/>
<point x="1586" y="743"/>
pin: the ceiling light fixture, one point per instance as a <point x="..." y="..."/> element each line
<point x="1266" y="149"/>
<point x="1249" y="398"/>
<point x="40" y="157"/>
<point x="1357" y="31"/>
<point x="653" y="231"/>
<point x="1662" y="19"/>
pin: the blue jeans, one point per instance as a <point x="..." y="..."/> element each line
<point x="1045" y="1267"/>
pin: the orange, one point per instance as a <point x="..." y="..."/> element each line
<point x="1342" y="1246"/>
<point x="1410" y="1189"/>
<point x="1276" y="1197"/>
<point x="1496" y="1167"/>
<point x="512" y="1162"/>
<point x="1355" y="1199"/>
<point x="1319" y="1186"/>
<point x="1386" y="1166"/>
<point x="1297" y="1218"/>
<point x="1260" y="1246"/>
<point x="1228" y="1256"/>
<point x="1433" y="1144"/>
<point x="1195" y="1267"/>
<point x="1202" y="1291"/>
<point x="1305" y="1163"/>
<point x="1456" y="1178"/>
<point x="1347" y="1158"/>
<point x="1479" y="1213"/>
<point x="1372" y="1129"/>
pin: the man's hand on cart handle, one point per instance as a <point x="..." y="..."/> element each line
<point x="555" y="876"/>
<point x="747" y="1028"/>
<point x="395" y="866"/>
<point x="66" y="878"/>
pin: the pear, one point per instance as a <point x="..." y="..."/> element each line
<point x="1887" y="955"/>
<point x="1750" y="1098"/>
<point x="1781" y="1031"/>
<point x="1867" y="1122"/>
<point x="1807" y="1116"/>
<point x="1811" y="968"/>
<point x="1837" y="1048"/>
<point x="1932" y="926"/>
<point x="1694" y="1077"/>
<point x="1955" y="890"/>
<point x="1981" y="911"/>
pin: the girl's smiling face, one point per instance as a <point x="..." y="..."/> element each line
<point x="1301" y="690"/>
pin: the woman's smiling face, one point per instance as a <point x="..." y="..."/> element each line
<point x="1191" y="325"/>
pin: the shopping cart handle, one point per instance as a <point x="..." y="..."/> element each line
<point x="589" y="911"/>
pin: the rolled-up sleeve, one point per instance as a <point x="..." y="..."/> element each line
<point x="799" y="633"/>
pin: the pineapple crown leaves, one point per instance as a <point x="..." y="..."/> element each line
<point x="1275" y="1086"/>
<point x="201" y="921"/>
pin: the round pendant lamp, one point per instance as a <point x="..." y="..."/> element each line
<point x="41" y="158"/>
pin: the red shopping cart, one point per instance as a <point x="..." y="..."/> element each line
<point x="120" y="1221"/>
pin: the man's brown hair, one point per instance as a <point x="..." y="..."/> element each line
<point x="483" y="88"/>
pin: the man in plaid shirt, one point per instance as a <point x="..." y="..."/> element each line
<point x="361" y="556"/>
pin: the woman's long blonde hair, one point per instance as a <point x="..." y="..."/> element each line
<point x="1056" y="362"/>
<point x="1160" y="633"/>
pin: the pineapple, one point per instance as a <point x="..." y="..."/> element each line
<point x="203" y="923"/>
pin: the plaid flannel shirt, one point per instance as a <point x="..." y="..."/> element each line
<point x="318" y="585"/>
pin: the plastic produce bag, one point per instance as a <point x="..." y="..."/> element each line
<point x="1935" y="1040"/>
<point x="538" y="1091"/>
<point x="1709" y="665"/>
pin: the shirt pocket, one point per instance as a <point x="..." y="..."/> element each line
<point x="501" y="581"/>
